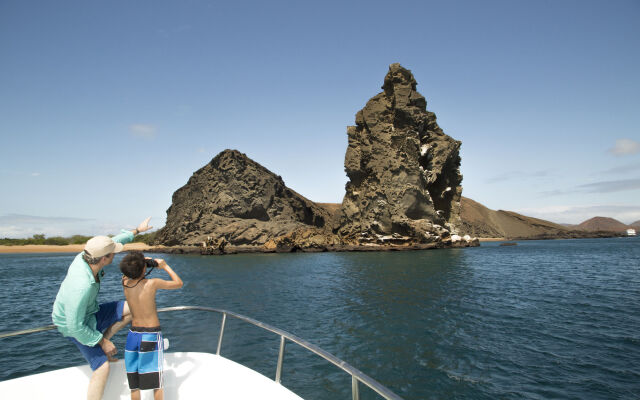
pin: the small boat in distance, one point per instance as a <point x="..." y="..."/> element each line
<point x="631" y="232"/>
<point x="187" y="375"/>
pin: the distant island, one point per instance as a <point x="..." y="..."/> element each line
<point x="482" y="222"/>
<point x="403" y="192"/>
<point x="485" y="224"/>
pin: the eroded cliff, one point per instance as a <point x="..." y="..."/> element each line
<point x="404" y="177"/>
<point x="235" y="199"/>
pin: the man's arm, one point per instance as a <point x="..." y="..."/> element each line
<point x="75" y="313"/>
<point x="126" y="236"/>
<point x="123" y="237"/>
<point x="108" y="347"/>
<point x="174" y="283"/>
<point x="142" y="226"/>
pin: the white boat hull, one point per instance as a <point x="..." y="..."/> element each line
<point x="186" y="376"/>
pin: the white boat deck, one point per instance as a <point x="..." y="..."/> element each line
<point x="186" y="376"/>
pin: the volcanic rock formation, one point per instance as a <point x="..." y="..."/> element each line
<point x="235" y="200"/>
<point x="403" y="190"/>
<point x="404" y="177"/>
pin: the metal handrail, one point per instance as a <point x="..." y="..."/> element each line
<point x="356" y="375"/>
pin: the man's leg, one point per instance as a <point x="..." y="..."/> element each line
<point x="125" y="309"/>
<point x="158" y="394"/>
<point x="97" y="382"/>
<point x="135" y="394"/>
<point x="99" y="364"/>
<point x="114" y="328"/>
<point x="118" y="324"/>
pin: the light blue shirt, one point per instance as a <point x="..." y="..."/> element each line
<point x="77" y="300"/>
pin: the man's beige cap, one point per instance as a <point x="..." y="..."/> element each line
<point x="101" y="246"/>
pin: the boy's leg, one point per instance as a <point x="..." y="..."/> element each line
<point x="158" y="394"/>
<point x="135" y="394"/>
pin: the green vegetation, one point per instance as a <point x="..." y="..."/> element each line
<point x="41" y="239"/>
<point x="146" y="238"/>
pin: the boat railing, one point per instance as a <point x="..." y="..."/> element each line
<point x="357" y="376"/>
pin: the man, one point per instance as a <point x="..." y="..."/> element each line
<point x="76" y="311"/>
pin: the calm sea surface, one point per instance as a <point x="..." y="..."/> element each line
<point x="540" y="320"/>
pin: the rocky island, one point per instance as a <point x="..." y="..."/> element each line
<point x="235" y="201"/>
<point x="404" y="191"/>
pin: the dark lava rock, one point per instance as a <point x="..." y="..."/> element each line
<point x="403" y="191"/>
<point x="236" y="201"/>
<point x="404" y="177"/>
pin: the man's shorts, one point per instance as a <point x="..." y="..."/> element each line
<point x="107" y="315"/>
<point x="143" y="358"/>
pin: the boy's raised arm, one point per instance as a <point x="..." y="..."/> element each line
<point x="174" y="283"/>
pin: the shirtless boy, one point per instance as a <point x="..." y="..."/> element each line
<point x="143" y="355"/>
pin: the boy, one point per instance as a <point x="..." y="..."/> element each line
<point x="143" y="355"/>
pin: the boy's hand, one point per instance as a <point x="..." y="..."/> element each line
<point x="161" y="263"/>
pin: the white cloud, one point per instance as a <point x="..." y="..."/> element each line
<point x="23" y="226"/>
<point x="625" y="147"/>
<point x="34" y="219"/>
<point x="14" y="232"/>
<point x="35" y="174"/>
<point x="143" y="130"/>
<point x="518" y="175"/>
<point x="622" y="185"/>
<point x="576" y="214"/>
<point x="622" y="169"/>
<point x="611" y="186"/>
<point x="19" y="226"/>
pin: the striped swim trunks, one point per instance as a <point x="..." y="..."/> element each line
<point x="143" y="358"/>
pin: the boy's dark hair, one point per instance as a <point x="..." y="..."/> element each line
<point x="132" y="265"/>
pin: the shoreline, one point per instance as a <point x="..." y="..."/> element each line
<point x="76" y="248"/>
<point x="68" y="248"/>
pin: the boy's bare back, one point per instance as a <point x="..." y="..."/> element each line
<point x="141" y="296"/>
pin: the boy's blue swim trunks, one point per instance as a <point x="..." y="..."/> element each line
<point x="143" y="358"/>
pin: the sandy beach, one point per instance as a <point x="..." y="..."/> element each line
<point x="70" y="248"/>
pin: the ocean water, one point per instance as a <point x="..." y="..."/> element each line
<point x="541" y="320"/>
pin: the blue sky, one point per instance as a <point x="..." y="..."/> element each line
<point x="106" y="108"/>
